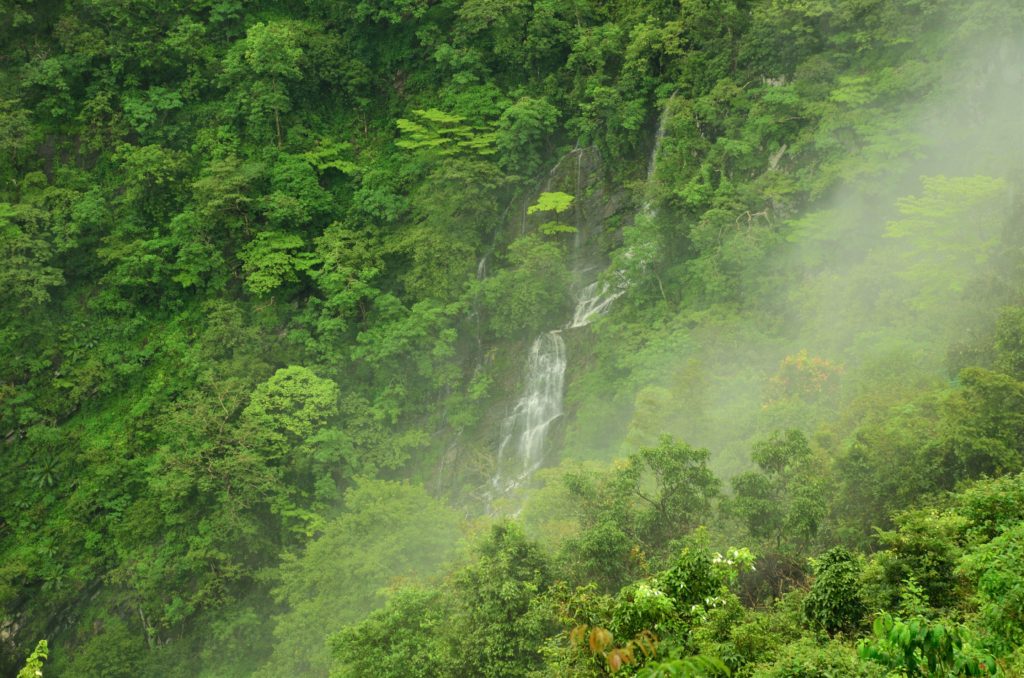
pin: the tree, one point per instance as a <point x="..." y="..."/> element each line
<point x="530" y="293"/>
<point x="348" y="265"/>
<point x="403" y="536"/>
<point x="16" y="136"/>
<point x="920" y="647"/>
<point x="296" y="199"/>
<point x="497" y="626"/>
<point x="938" y="254"/>
<point x="558" y="203"/>
<point x="998" y="569"/>
<point x="682" y="493"/>
<point x="983" y="425"/>
<point x="785" y="499"/>
<point x="272" y="259"/>
<point x="834" y="602"/>
<point x="522" y="128"/>
<point x="444" y="134"/>
<point x="487" y="619"/>
<point x="657" y="495"/>
<point x="28" y="274"/>
<point x="404" y="639"/>
<point x="287" y="409"/>
<point x="260" y="67"/>
<point x="284" y="425"/>
<point x="34" y="664"/>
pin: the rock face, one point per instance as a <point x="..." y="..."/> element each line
<point x="525" y="437"/>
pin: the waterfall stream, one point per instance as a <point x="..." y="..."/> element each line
<point x="524" y="431"/>
<point x="594" y="300"/>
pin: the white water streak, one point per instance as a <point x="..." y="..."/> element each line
<point x="594" y="300"/>
<point x="524" y="431"/>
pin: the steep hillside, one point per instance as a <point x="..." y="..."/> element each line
<point x="423" y="338"/>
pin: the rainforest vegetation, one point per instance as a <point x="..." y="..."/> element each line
<point x="286" y="284"/>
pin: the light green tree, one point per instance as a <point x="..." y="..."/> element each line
<point x="34" y="664"/>
<point x="784" y="500"/>
<point x="557" y="202"/>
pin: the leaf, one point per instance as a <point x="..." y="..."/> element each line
<point x="553" y="201"/>
<point x="600" y="639"/>
<point x="438" y="116"/>
<point x="327" y="155"/>
<point x="553" y="227"/>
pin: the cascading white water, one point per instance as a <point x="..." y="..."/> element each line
<point x="524" y="431"/>
<point x="594" y="300"/>
<point x="652" y="162"/>
<point x="659" y="136"/>
<point x="596" y="297"/>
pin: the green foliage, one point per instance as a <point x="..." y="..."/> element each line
<point x="659" y="494"/>
<point x="924" y="549"/>
<point x="259" y="70"/>
<point x="998" y="569"/>
<point x="34" y="664"/>
<point x="785" y="499"/>
<point x="984" y="424"/>
<point x="498" y="625"/>
<point x="486" y="620"/>
<point x="399" y="640"/>
<point x="446" y="133"/>
<point x="240" y="281"/>
<point x="834" y="602"/>
<point x="522" y="130"/>
<point x="402" y="535"/>
<point x="113" y="652"/>
<point x="689" y="667"/>
<point x="556" y="202"/>
<point x="523" y="298"/>
<point x="27" y="276"/>
<point x="942" y="255"/>
<point x="291" y="404"/>
<point x="271" y="260"/>
<point x="809" y="658"/>
<point x="992" y="506"/>
<point x="919" y="647"/>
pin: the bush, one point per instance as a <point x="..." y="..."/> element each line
<point x="834" y="603"/>
<point x="808" y="659"/>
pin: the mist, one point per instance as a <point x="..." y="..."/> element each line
<point x="881" y="280"/>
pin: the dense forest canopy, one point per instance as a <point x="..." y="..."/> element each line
<point x="511" y="338"/>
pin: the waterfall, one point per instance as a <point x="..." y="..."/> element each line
<point x="524" y="431"/>
<point x="659" y="136"/>
<point x="594" y="300"/>
<point x="652" y="162"/>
